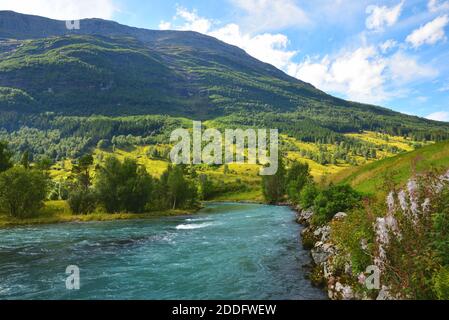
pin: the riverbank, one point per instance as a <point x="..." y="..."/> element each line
<point x="332" y="270"/>
<point x="56" y="212"/>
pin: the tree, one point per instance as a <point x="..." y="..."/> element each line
<point x="177" y="186"/>
<point x="81" y="170"/>
<point x="44" y="164"/>
<point x="205" y="187"/>
<point x="274" y="186"/>
<point x="22" y="191"/>
<point x="298" y="176"/>
<point x="5" y="157"/>
<point x="25" y="161"/>
<point x="82" y="200"/>
<point x="124" y="186"/>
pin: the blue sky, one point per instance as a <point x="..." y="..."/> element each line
<point x="390" y="53"/>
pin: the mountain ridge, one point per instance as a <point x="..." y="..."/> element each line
<point x="110" y="69"/>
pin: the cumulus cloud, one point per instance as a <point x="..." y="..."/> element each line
<point x="269" y="15"/>
<point x="439" y="116"/>
<point x="388" y="45"/>
<point x="63" y="9"/>
<point x="267" y="47"/>
<point x="369" y="73"/>
<point x="193" y="22"/>
<point x="430" y="33"/>
<point x="406" y="69"/>
<point x="438" y="5"/>
<point x="358" y="75"/>
<point x="382" y="16"/>
<point x="363" y="74"/>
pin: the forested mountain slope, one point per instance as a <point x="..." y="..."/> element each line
<point x="109" y="69"/>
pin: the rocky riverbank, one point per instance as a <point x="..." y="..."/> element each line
<point x="331" y="269"/>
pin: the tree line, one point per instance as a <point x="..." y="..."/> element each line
<point x="295" y="184"/>
<point x="118" y="186"/>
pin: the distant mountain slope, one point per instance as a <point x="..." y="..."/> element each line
<point x="369" y="178"/>
<point x="110" y="69"/>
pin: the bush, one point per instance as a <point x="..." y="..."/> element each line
<point x="333" y="200"/>
<point x="308" y="195"/>
<point x="298" y="176"/>
<point x="22" y="192"/>
<point x="441" y="284"/>
<point x="123" y="187"/>
<point x="82" y="201"/>
<point x="354" y="236"/>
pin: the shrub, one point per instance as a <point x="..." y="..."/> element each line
<point x="332" y="200"/>
<point x="441" y="284"/>
<point x="307" y="196"/>
<point x="82" y="201"/>
<point x="22" y="191"/>
<point x="123" y="186"/>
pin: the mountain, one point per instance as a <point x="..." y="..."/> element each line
<point x="105" y="68"/>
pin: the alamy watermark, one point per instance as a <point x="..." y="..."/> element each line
<point x="207" y="147"/>
<point x="372" y="281"/>
<point x="73" y="24"/>
<point x="73" y="280"/>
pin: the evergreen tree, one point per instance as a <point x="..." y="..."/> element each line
<point x="273" y="187"/>
<point x="5" y="157"/>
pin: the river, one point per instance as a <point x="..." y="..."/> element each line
<point x="227" y="251"/>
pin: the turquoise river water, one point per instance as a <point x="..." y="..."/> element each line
<point x="227" y="251"/>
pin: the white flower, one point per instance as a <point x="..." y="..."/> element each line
<point x="390" y="202"/>
<point x="403" y="200"/>
<point x="426" y="205"/>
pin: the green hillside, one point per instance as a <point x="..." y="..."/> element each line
<point x="370" y="178"/>
<point x="109" y="69"/>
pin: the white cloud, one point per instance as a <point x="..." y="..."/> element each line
<point x="267" y="47"/>
<point x="63" y="9"/>
<point x="358" y="75"/>
<point x="439" y="116"/>
<point x="367" y="74"/>
<point x="380" y="17"/>
<point x="430" y="33"/>
<point x="437" y="5"/>
<point x="388" y="45"/>
<point x="406" y="69"/>
<point x="165" y="25"/>
<point x="268" y="15"/>
<point x="363" y="75"/>
<point x="193" y="22"/>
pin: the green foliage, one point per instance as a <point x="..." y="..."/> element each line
<point x="441" y="284"/>
<point x="182" y="192"/>
<point x="440" y="228"/>
<point x="123" y="187"/>
<point x="332" y="200"/>
<point x="82" y="200"/>
<point x="308" y="195"/>
<point x="273" y="186"/>
<point x="205" y="187"/>
<point x="43" y="164"/>
<point x="298" y="176"/>
<point x="354" y="235"/>
<point x="5" y="157"/>
<point x="25" y="160"/>
<point x="81" y="171"/>
<point x="22" y="191"/>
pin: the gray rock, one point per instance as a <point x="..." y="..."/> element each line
<point x="384" y="294"/>
<point x="340" y="216"/>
